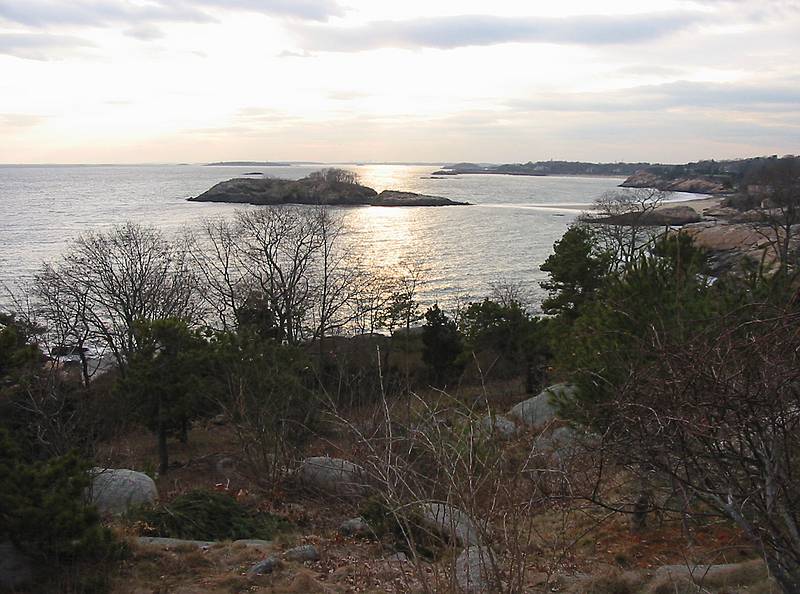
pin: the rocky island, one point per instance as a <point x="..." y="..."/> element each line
<point x="330" y="187"/>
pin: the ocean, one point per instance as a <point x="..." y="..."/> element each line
<point x="460" y="251"/>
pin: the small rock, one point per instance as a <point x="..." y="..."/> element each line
<point x="115" y="490"/>
<point x="473" y="570"/>
<point x="355" y="527"/>
<point x="302" y="553"/>
<point x="264" y="566"/>
<point x="398" y="557"/>
<point x="15" y="568"/>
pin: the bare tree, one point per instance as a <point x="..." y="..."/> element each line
<point x="335" y="175"/>
<point x="622" y="218"/>
<point x="108" y="281"/>
<point x="775" y="188"/>
<point x="718" y="415"/>
<point x="291" y="260"/>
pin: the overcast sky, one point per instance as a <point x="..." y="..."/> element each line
<point x="104" y="81"/>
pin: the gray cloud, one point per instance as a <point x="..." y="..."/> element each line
<point x="312" y="10"/>
<point x="38" y="46"/>
<point x="680" y="94"/>
<point x="146" y="32"/>
<point x="96" y="13"/>
<point x="470" y="30"/>
<point x="44" y="13"/>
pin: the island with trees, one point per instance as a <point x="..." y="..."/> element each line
<point x="333" y="187"/>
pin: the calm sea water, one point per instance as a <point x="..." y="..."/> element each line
<point x="461" y="251"/>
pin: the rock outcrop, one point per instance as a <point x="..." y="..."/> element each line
<point x="672" y="216"/>
<point x="332" y="476"/>
<point x="694" y="184"/>
<point x="275" y="191"/>
<point x="115" y="490"/>
<point x="398" y="198"/>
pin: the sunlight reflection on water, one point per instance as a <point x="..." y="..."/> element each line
<point x="507" y="234"/>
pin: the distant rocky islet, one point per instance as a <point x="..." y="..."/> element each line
<point x="309" y="190"/>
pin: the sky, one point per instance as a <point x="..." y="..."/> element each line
<point x="187" y="81"/>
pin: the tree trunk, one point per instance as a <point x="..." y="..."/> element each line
<point x="163" y="453"/>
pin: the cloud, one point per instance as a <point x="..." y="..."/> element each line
<point x="145" y="32"/>
<point x="347" y="95"/>
<point x="470" y="30"/>
<point x="291" y="54"/>
<point x="20" y="120"/>
<point x="96" y="13"/>
<point x="92" y="13"/>
<point x="675" y="95"/>
<point x="38" y="46"/>
<point x="312" y="10"/>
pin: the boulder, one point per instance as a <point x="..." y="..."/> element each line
<point x="473" y="570"/>
<point x="723" y="574"/>
<point x="539" y="410"/>
<point x="16" y="569"/>
<point x="562" y="446"/>
<point x="332" y="476"/>
<point x="450" y="522"/>
<point x="355" y="527"/>
<point x="265" y="566"/>
<point x="167" y="544"/>
<point x="302" y="553"/>
<point x="499" y="426"/>
<point x="116" y="490"/>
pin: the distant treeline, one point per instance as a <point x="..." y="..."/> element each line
<point x="733" y="170"/>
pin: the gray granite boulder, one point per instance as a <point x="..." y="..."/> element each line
<point x="265" y="566"/>
<point x="450" y="522"/>
<point x="115" y="490"/>
<point x="355" y="527"/>
<point x="302" y="553"/>
<point x="539" y="410"/>
<point x="473" y="570"/>
<point x="499" y="426"/>
<point x="332" y="476"/>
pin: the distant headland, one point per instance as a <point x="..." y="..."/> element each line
<point x="701" y="177"/>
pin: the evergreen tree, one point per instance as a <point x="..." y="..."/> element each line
<point x="576" y="269"/>
<point x="166" y="378"/>
<point x="442" y="344"/>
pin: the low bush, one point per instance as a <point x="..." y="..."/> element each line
<point x="206" y="515"/>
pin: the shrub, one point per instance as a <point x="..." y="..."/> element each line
<point x="206" y="515"/>
<point x="43" y="509"/>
